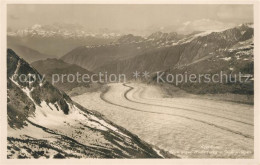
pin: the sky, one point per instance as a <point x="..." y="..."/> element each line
<point x="131" y="18"/>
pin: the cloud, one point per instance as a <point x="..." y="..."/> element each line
<point x="203" y="25"/>
<point x="186" y="23"/>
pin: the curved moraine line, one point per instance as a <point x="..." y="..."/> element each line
<point x="102" y="96"/>
<point x="171" y="107"/>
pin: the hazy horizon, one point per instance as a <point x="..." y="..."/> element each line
<point x="138" y="19"/>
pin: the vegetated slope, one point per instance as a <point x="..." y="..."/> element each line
<point x="58" y="72"/>
<point x="126" y="47"/>
<point x="92" y="57"/>
<point x="30" y="55"/>
<point x="43" y="122"/>
<point x="152" y="61"/>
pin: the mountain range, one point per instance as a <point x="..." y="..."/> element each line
<point x="57" y="39"/>
<point x="165" y="49"/>
<point x="229" y="50"/>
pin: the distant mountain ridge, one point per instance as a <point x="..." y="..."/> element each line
<point x="57" y="39"/>
<point x="65" y="31"/>
<point x="28" y="54"/>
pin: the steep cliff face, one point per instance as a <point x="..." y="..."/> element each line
<point x="22" y="75"/>
<point x="43" y="122"/>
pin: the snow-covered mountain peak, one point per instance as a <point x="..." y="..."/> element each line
<point x="60" y="30"/>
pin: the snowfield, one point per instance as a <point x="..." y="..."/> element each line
<point x="185" y="126"/>
<point x="77" y="125"/>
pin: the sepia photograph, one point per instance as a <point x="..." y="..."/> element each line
<point x="167" y="81"/>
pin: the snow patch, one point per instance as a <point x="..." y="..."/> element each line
<point x="45" y="116"/>
<point x="107" y="125"/>
<point x="243" y="32"/>
<point x="158" y="152"/>
<point x="226" y="58"/>
<point x="25" y="90"/>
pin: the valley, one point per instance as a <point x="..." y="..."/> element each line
<point x="139" y="118"/>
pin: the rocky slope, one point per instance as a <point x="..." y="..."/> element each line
<point x="230" y="52"/>
<point x="43" y="122"/>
